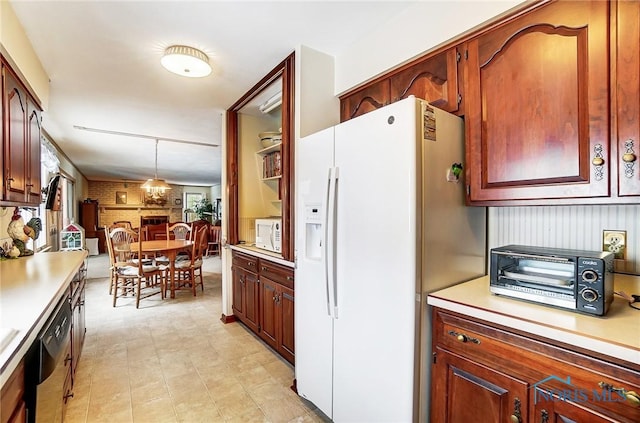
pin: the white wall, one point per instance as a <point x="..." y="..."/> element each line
<point x="574" y="227"/>
<point x="414" y="31"/>
<point x="15" y="46"/>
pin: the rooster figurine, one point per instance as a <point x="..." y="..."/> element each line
<point x="21" y="233"/>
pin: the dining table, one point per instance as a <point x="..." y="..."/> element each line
<point x="168" y="248"/>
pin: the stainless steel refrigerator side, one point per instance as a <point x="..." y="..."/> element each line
<point x="453" y="235"/>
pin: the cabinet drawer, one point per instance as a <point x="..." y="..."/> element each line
<point x="277" y="273"/>
<point x="246" y="262"/>
<point x="549" y="369"/>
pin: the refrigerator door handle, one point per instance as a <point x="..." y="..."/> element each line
<point x="330" y="224"/>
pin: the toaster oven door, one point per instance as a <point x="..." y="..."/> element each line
<point x="548" y="280"/>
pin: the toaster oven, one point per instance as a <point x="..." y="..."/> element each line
<point x="575" y="280"/>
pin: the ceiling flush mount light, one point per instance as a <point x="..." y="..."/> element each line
<point x="155" y="187"/>
<point x="186" y="61"/>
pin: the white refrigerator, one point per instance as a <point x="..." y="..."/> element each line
<point x="381" y="222"/>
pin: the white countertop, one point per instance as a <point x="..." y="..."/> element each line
<point x="30" y="287"/>
<point x="617" y="334"/>
<point x="259" y="252"/>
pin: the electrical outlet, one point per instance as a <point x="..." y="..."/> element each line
<point x="616" y="242"/>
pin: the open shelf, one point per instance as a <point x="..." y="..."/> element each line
<point x="271" y="149"/>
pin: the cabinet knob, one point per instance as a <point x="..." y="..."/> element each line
<point x="462" y="338"/>
<point x="597" y="161"/>
<point x="514" y="419"/>
<point x="628" y="157"/>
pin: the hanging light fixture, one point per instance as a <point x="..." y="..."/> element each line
<point x="186" y="61"/>
<point x="156" y="187"/>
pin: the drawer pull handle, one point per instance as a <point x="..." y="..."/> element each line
<point x="463" y="338"/>
<point x="544" y="416"/>
<point x="632" y="397"/>
<point x="516" y="417"/>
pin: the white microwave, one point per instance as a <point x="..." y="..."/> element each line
<point x="269" y="234"/>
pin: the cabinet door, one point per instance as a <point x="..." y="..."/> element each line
<point x="628" y="97"/>
<point x="33" y="156"/>
<point x="369" y="98"/>
<point x="555" y="410"/>
<point x="78" y="330"/>
<point x="269" y="320"/>
<point x="286" y="339"/>
<point x="15" y="147"/>
<point x="537" y="106"/>
<point x="238" y="281"/>
<point x="252" y="301"/>
<point x="465" y="391"/>
<point x="434" y="79"/>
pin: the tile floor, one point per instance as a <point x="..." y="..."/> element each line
<point x="175" y="361"/>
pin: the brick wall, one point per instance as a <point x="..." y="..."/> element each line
<point x="109" y="211"/>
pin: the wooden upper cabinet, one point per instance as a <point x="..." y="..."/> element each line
<point x="365" y="100"/>
<point x="537" y="106"/>
<point x="628" y="97"/>
<point x="434" y="79"/>
<point x="34" y="124"/>
<point x="20" y="143"/>
<point x="15" y="152"/>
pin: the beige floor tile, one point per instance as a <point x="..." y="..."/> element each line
<point x="198" y="410"/>
<point x="158" y="410"/>
<point x="150" y="390"/>
<point x="101" y="407"/>
<point x="220" y="388"/>
<point x="174" y="360"/>
<point x="254" y="415"/>
<point x="235" y="404"/>
<point x="284" y="410"/>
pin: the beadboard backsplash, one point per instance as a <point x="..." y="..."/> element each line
<point x="576" y="227"/>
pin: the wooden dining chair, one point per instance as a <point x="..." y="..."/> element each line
<point x="122" y="224"/>
<point x="188" y="272"/>
<point x="179" y="230"/>
<point x="213" y="244"/>
<point x="132" y="275"/>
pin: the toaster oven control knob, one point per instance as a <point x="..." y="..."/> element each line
<point x="589" y="295"/>
<point x="589" y="276"/>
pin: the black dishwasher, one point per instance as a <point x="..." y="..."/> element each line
<point x="48" y="367"/>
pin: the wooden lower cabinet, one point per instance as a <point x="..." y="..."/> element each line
<point x="263" y="299"/>
<point x="472" y="390"/>
<point x="488" y="373"/>
<point x="558" y="411"/>
<point x="12" y="406"/>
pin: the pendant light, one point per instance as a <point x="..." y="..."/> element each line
<point x="155" y="186"/>
<point x="186" y="61"/>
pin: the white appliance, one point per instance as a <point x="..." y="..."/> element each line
<point x="269" y="234"/>
<point x="381" y="222"/>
